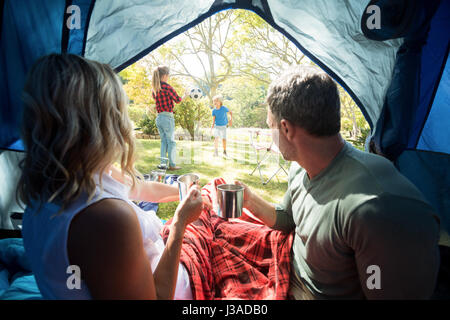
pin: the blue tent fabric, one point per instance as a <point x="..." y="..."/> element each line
<point x="396" y="121"/>
<point x="398" y="74"/>
<point x="416" y="114"/>
<point x="76" y="37"/>
<point x="399" y="18"/>
<point x="435" y="135"/>
<point x="2" y="4"/>
<point x="16" y="279"/>
<point x="417" y="76"/>
<point x="434" y="54"/>
<point x="429" y="171"/>
<point x="40" y="23"/>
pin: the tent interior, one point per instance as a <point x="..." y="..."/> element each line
<point x="397" y="74"/>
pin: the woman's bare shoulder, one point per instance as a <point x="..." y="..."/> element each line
<point x="109" y="211"/>
<point x="101" y="226"/>
<point x="105" y="241"/>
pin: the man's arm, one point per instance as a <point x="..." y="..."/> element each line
<point x="395" y="241"/>
<point x="262" y="209"/>
<point x="284" y="221"/>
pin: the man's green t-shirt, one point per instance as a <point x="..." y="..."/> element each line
<point x="357" y="215"/>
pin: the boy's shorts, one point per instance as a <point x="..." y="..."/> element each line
<point x="220" y="132"/>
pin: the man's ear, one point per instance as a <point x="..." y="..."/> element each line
<point x="287" y="129"/>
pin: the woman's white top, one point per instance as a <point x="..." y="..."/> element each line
<point x="45" y="235"/>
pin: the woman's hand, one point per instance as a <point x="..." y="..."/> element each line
<point x="167" y="270"/>
<point x="190" y="208"/>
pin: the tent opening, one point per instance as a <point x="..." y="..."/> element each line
<point x="235" y="54"/>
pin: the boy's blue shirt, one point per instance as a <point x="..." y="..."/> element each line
<point x="221" y="116"/>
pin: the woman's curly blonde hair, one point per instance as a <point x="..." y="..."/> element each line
<point x="75" y="124"/>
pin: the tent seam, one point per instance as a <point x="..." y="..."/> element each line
<point x="65" y="30"/>
<point x="86" y="27"/>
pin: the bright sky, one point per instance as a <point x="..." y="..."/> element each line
<point x="194" y="65"/>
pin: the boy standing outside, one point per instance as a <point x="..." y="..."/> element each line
<point x="220" y="122"/>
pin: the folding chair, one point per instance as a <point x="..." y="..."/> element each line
<point x="271" y="149"/>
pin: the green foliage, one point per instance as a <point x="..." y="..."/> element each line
<point x="246" y="101"/>
<point x="360" y="141"/>
<point x="136" y="114"/>
<point x="148" y="125"/>
<point x="354" y="126"/>
<point x="191" y="114"/>
<point x="137" y="84"/>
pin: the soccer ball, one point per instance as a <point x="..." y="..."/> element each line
<point x="195" y="93"/>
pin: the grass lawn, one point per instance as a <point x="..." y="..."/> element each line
<point x="197" y="157"/>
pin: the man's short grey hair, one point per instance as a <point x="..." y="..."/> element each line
<point x="307" y="97"/>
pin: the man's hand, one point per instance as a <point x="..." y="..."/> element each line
<point x="206" y="203"/>
<point x="247" y="192"/>
<point x="262" y="209"/>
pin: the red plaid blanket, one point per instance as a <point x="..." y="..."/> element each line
<point x="234" y="259"/>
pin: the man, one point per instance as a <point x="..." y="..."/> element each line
<point x="361" y="229"/>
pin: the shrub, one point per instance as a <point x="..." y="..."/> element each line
<point x="191" y="114"/>
<point x="136" y="114"/>
<point x="148" y="125"/>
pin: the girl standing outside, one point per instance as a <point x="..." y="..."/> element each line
<point x="165" y="96"/>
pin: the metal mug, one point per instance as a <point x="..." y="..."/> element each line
<point x="185" y="182"/>
<point x="230" y="199"/>
<point x="158" y="175"/>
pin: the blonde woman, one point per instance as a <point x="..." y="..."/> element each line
<point x="83" y="235"/>
<point x="165" y="96"/>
